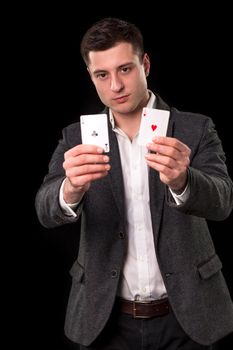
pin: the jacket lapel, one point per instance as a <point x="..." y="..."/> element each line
<point x="115" y="174"/>
<point x="156" y="187"/>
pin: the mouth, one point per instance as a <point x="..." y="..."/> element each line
<point x="121" y="99"/>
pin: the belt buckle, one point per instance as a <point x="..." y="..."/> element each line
<point x="135" y="302"/>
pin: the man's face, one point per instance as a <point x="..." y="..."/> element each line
<point x="120" y="78"/>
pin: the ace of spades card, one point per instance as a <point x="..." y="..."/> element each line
<point x="154" y="122"/>
<point x="94" y="130"/>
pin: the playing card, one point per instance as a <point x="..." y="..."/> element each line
<point x="94" y="130"/>
<point x="154" y="122"/>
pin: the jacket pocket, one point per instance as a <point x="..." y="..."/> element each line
<point x="210" y="267"/>
<point x="77" y="272"/>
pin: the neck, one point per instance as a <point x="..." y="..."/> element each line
<point x="130" y="122"/>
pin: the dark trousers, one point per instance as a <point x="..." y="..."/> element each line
<point x="123" y="332"/>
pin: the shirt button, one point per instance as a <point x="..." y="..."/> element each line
<point x="114" y="273"/>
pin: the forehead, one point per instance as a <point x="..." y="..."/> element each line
<point x="112" y="58"/>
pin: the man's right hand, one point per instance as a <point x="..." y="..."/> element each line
<point x="83" y="164"/>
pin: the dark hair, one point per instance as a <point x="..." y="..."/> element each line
<point x="109" y="31"/>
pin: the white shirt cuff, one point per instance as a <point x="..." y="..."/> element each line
<point x="181" y="198"/>
<point x="67" y="208"/>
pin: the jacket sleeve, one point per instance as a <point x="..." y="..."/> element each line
<point x="211" y="189"/>
<point x="48" y="210"/>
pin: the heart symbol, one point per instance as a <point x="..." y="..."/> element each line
<point x="153" y="127"/>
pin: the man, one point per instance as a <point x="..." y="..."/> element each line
<point x="147" y="274"/>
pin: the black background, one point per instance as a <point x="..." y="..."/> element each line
<point x="191" y="59"/>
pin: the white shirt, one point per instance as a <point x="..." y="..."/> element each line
<point x="141" y="276"/>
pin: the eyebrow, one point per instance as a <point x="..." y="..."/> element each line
<point x="98" y="71"/>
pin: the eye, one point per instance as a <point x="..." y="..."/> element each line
<point x="101" y="76"/>
<point x="125" y="70"/>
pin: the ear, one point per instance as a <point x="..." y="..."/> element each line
<point x="90" y="75"/>
<point x="89" y="72"/>
<point x="146" y="64"/>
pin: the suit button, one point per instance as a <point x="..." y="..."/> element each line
<point x="58" y="219"/>
<point x="121" y="235"/>
<point x="168" y="274"/>
<point x="114" y="273"/>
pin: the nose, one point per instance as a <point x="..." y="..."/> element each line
<point x="116" y="83"/>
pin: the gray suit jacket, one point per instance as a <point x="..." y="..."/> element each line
<point x="190" y="267"/>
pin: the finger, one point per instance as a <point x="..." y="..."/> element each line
<point x="172" y="142"/>
<point x="78" y="181"/>
<point x="83" y="149"/>
<point x="170" y="148"/>
<point x="87" y="169"/>
<point x="167" y="151"/>
<point x="84" y="159"/>
<point x="158" y="158"/>
<point x="163" y="169"/>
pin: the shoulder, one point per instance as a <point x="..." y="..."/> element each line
<point x="189" y="121"/>
<point x="72" y="134"/>
<point x="190" y="127"/>
<point x="72" y="128"/>
<point x="183" y="117"/>
<point x="189" y="117"/>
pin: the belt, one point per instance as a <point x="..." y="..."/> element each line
<point x="144" y="309"/>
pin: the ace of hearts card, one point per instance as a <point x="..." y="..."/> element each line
<point x="154" y="122"/>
